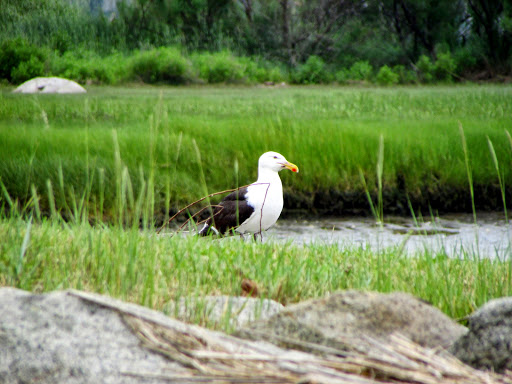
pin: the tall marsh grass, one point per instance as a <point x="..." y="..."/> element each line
<point x="84" y="178"/>
<point x="138" y="146"/>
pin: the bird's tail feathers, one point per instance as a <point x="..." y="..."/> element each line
<point x="207" y="230"/>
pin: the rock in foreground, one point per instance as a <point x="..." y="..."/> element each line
<point x="77" y="337"/>
<point x="488" y="344"/>
<point x="351" y="320"/>
<point x="50" y="85"/>
<point x="58" y="338"/>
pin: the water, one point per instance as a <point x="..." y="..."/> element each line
<point x="455" y="235"/>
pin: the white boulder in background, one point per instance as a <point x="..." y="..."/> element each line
<point x="50" y="85"/>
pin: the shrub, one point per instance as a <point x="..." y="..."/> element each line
<point x="466" y="59"/>
<point x="425" y="68"/>
<point x="276" y="75"/>
<point x="386" y="76"/>
<point x="87" y="66"/>
<point x="313" y="71"/>
<point x="20" y="60"/>
<point x="253" y="72"/>
<point x="27" y="70"/>
<point x="342" y="76"/>
<point x="259" y="71"/>
<point x="219" y="67"/>
<point x="361" y="71"/>
<point x="164" y="64"/>
<point x="405" y="76"/>
<point x="445" y="66"/>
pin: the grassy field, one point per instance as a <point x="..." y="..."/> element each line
<point x="169" y="146"/>
<point x="120" y="157"/>
<point x="150" y="270"/>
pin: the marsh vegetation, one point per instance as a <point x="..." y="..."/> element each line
<point x="87" y="180"/>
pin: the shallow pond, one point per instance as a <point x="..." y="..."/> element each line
<point x="457" y="235"/>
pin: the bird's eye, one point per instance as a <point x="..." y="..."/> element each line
<point x="275" y="157"/>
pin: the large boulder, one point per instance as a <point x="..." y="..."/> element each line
<point x="78" y="337"/>
<point x="354" y="320"/>
<point x="50" y="85"/>
<point x="488" y="344"/>
<point x="58" y="338"/>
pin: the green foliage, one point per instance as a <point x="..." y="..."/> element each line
<point x="313" y="71"/>
<point x="20" y="60"/>
<point x="219" y="67"/>
<point x="361" y="71"/>
<point x="27" y="70"/>
<point x="386" y="76"/>
<point x="445" y="66"/>
<point x="405" y="76"/>
<point x="340" y="34"/>
<point x="342" y="76"/>
<point x="160" y="65"/>
<point x="425" y="69"/>
<point x="156" y="129"/>
<point x="276" y="74"/>
<point x="261" y="71"/>
<point x="151" y="270"/>
<point x="88" y="67"/>
<point x="466" y="59"/>
<point x="165" y="64"/>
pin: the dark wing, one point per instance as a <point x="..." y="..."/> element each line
<point x="232" y="211"/>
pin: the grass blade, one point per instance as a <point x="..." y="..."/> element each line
<point x="23" y="250"/>
<point x="380" y="171"/>
<point x="500" y="179"/>
<point x="468" y="170"/>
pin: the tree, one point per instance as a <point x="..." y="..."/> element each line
<point x="422" y="25"/>
<point x="492" y="26"/>
<point x="309" y="27"/>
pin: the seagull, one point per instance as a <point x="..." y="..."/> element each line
<point x="255" y="208"/>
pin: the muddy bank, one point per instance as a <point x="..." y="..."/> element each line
<point x="438" y="199"/>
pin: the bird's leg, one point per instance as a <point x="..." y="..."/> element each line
<point x="242" y="236"/>
<point x="256" y="236"/>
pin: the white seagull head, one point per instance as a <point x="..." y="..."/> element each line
<point x="275" y="161"/>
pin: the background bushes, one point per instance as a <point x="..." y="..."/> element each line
<point x="386" y="76"/>
<point x="305" y="42"/>
<point x="21" y="60"/>
<point x="161" y="65"/>
<point x="88" y="67"/>
<point x="219" y="67"/>
<point x="313" y="71"/>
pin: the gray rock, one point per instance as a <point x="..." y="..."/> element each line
<point x="488" y="344"/>
<point x="58" y="338"/>
<point x="217" y="310"/>
<point x="49" y="85"/>
<point x="352" y="320"/>
<point x="78" y="337"/>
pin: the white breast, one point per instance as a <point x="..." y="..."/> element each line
<point x="266" y="196"/>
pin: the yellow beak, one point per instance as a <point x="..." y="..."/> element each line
<point x="292" y="167"/>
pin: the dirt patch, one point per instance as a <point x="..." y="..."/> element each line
<point x="396" y="201"/>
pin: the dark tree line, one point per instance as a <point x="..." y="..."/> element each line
<point x="477" y="33"/>
<point x="389" y="32"/>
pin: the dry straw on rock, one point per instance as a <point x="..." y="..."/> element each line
<point x="217" y="358"/>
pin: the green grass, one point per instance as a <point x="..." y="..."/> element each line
<point x="143" y="139"/>
<point x="119" y="157"/>
<point x="151" y="270"/>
